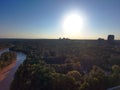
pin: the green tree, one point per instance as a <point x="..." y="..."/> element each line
<point x="75" y="74"/>
<point x="64" y="82"/>
<point x="114" y="78"/>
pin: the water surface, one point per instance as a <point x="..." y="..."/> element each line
<point x="9" y="75"/>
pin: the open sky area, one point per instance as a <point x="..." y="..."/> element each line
<point x="46" y="18"/>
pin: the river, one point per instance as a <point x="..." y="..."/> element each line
<point x="9" y="75"/>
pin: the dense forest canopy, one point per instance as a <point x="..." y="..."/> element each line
<point x="67" y="65"/>
<point x="7" y="58"/>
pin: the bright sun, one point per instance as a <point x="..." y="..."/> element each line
<point x="73" y="24"/>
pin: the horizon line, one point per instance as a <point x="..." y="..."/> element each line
<point x="56" y="38"/>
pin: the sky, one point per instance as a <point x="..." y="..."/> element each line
<point x="44" y="18"/>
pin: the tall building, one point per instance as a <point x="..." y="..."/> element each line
<point x="111" y="38"/>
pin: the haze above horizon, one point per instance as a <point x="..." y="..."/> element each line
<point x="74" y="19"/>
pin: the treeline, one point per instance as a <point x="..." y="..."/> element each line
<point x="35" y="74"/>
<point x="67" y="65"/>
<point x="6" y="59"/>
<point x="4" y="45"/>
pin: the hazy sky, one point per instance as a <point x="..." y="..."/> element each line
<point x="44" y="18"/>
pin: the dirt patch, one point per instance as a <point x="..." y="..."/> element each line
<point x="6" y="70"/>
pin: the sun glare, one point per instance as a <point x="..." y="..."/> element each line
<point x="72" y="24"/>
